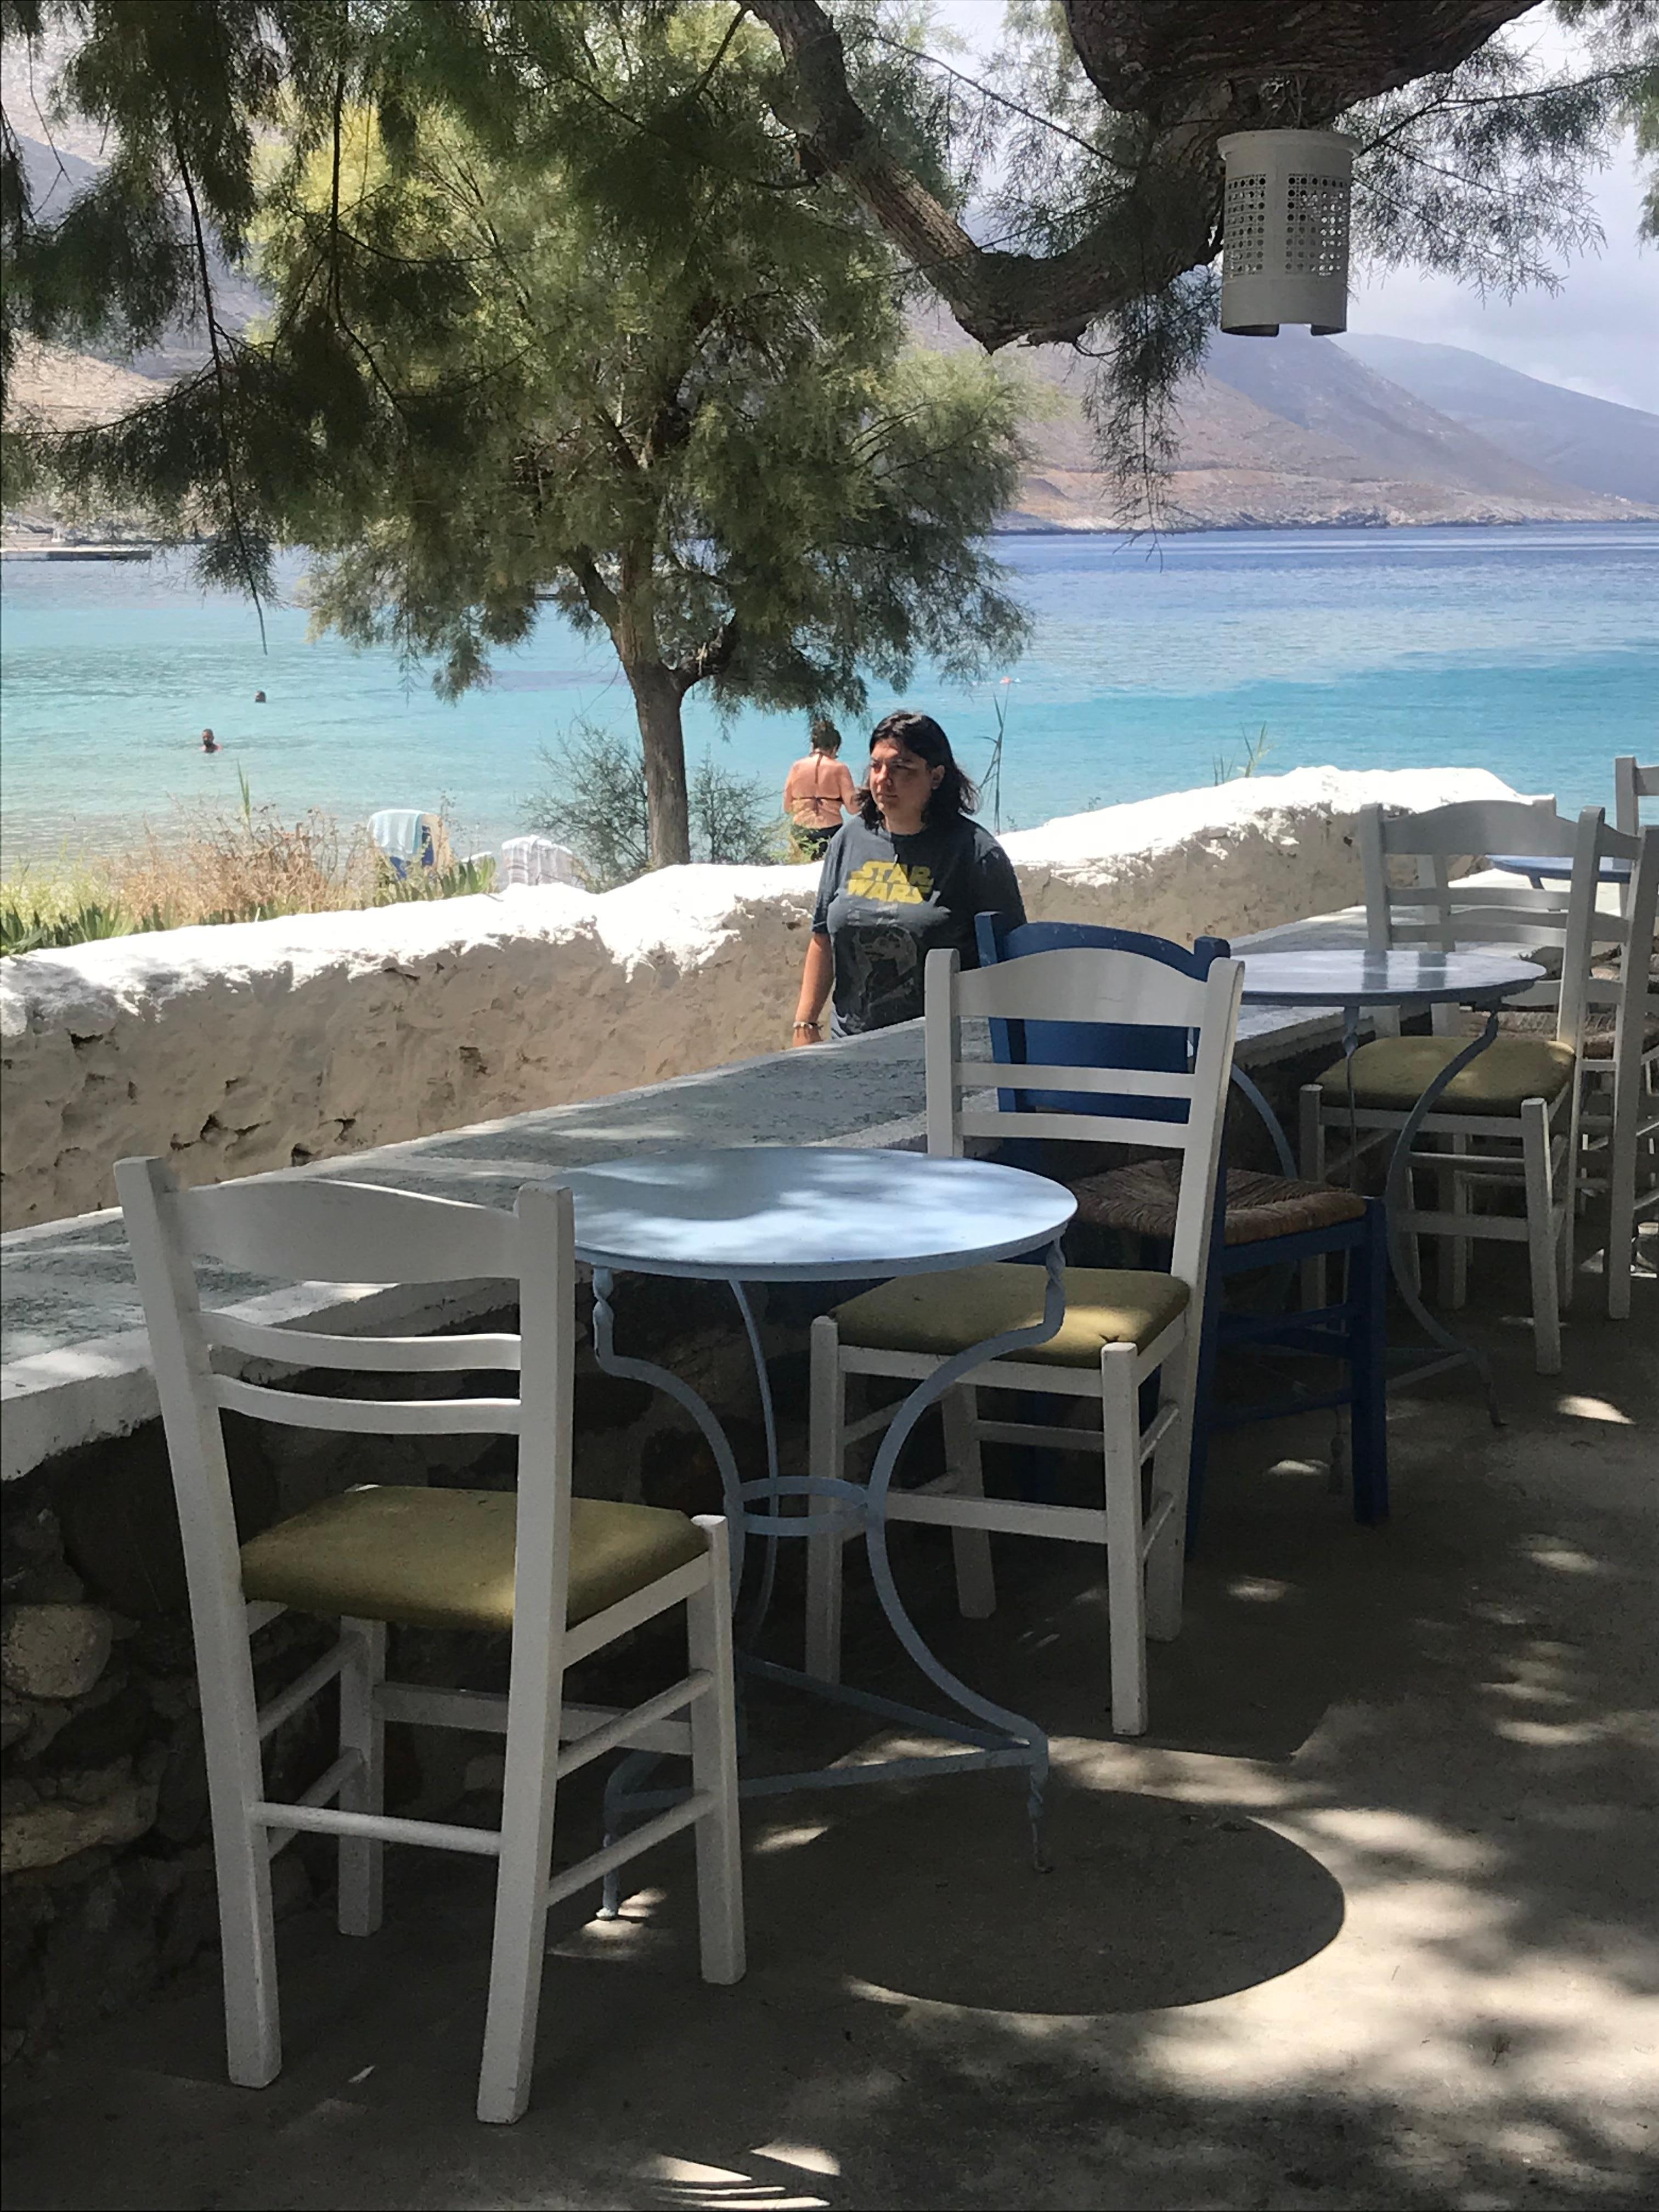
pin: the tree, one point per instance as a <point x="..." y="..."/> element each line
<point x="1100" y="125"/>
<point x="642" y="373"/>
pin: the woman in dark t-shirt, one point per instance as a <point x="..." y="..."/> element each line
<point x="906" y="876"/>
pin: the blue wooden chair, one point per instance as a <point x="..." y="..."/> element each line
<point x="1261" y="1220"/>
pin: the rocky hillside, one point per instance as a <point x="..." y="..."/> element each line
<point x="1294" y="431"/>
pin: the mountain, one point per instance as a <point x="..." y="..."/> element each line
<point x="1293" y="431"/>
<point x="56" y="177"/>
<point x="1578" y="440"/>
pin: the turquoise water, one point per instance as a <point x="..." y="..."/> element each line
<point x="1532" y="652"/>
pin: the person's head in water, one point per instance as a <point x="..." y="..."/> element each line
<point x="259" y="698"/>
<point x="825" y="736"/>
<point x="914" y="779"/>
<point x="210" y="743"/>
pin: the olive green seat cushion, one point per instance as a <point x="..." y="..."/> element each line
<point x="941" y="1314"/>
<point x="443" y="1558"/>
<point x="1393" y="1073"/>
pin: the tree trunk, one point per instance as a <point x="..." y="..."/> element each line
<point x="657" y="696"/>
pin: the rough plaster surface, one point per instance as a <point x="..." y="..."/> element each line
<point x="238" y="1050"/>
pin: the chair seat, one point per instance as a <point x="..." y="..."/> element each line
<point x="1600" y="1028"/>
<point x="1392" y="1073"/>
<point x="443" y="1558"/>
<point x="945" y="1314"/>
<point x="1142" y="1200"/>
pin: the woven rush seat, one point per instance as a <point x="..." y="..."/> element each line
<point x="1600" y="1029"/>
<point x="1142" y="1200"/>
<point x="1392" y="1073"/>
<point x="443" y="1558"/>
<point x="941" y="1314"/>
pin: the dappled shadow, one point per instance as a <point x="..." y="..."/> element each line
<point x="1367" y="1920"/>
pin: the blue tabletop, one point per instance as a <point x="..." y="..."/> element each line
<point x="1554" y="867"/>
<point x="1351" y="976"/>
<point x="808" y="1213"/>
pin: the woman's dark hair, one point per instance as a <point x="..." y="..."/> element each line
<point x="824" y="736"/>
<point x="921" y="735"/>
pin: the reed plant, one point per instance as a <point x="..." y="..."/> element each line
<point x="251" y="866"/>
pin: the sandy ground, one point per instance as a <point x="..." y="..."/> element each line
<point x="1368" y="1920"/>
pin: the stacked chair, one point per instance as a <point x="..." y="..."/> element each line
<point x="1123" y="1330"/>
<point x="564" y="1577"/>
<point x="1513" y="1115"/>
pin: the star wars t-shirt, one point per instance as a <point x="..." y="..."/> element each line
<point x="888" y="901"/>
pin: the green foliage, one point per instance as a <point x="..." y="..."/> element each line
<point x="33" y="932"/>
<point x="1226" y="768"/>
<point x="592" y="799"/>
<point x="464" y="879"/>
<point x="558" y="316"/>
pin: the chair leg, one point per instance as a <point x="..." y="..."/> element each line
<point x="826" y="1456"/>
<point x="362" y="1730"/>
<point x="1543" y="1231"/>
<point x="714" y="1766"/>
<point x="1454" y="1267"/>
<point x="241" y="1862"/>
<point x="976" y="1588"/>
<point x="1621" y="1204"/>
<point x="1368" y="1366"/>
<point x="1125" y="1579"/>
<point x="1166" y="1562"/>
<point x="1209" y="1353"/>
<point x="1312" y="1148"/>
<point x="516" y="1956"/>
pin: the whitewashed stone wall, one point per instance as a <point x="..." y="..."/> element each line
<point x="237" y="1049"/>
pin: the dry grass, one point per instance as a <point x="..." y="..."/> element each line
<point x="251" y="866"/>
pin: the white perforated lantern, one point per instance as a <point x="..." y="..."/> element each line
<point x="1284" y="242"/>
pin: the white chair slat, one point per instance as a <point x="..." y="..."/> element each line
<point x="369" y="1355"/>
<point x="365" y="1417"/>
<point x="1073" y="984"/>
<point x="1106" y="1082"/>
<point x="324" y="1232"/>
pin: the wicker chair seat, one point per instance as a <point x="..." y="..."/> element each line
<point x="1142" y="1200"/>
<point x="1540" y="1021"/>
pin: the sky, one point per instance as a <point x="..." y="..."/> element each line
<point x="1598" y="333"/>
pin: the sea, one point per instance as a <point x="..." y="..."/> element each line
<point x="1153" y="665"/>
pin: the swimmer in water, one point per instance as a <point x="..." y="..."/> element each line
<point x="210" y="743"/>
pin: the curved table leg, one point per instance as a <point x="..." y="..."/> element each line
<point x="1002" y="1738"/>
<point x="1397" y="1192"/>
<point x="1270" y="1121"/>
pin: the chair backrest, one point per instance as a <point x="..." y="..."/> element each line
<point x="1102" y="989"/>
<point x="1089" y="1044"/>
<point x="336" y="1232"/>
<point x="1634" y="995"/>
<point x="1633" y="780"/>
<point x="1449" y="912"/>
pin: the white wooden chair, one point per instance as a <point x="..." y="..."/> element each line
<point x="565" y="1575"/>
<point x="1633" y="780"/>
<point x="1121" y="1326"/>
<point x="1618" y="1119"/>
<point x="1513" y="1113"/>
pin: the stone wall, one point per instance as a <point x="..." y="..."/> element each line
<point x="234" y="1050"/>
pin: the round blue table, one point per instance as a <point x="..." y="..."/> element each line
<point x="1554" y="868"/>
<point x="781" y="1213"/>
<point x="1410" y="978"/>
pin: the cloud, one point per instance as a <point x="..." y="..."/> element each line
<point x="1598" y="333"/>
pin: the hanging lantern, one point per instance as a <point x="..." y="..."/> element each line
<point x="1285" y="239"/>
